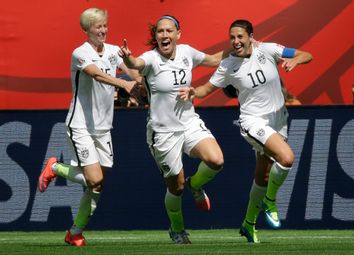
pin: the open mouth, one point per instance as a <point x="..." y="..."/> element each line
<point x="165" y="44"/>
<point x="238" y="48"/>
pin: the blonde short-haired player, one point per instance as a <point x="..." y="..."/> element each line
<point x="89" y="120"/>
<point x="253" y="72"/>
<point x="173" y="127"/>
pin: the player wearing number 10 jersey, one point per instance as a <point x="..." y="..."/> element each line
<point x="253" y="72"/>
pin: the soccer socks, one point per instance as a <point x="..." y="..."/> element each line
<point x="277" y="176"/>
<point x="254" y="207"/>
<point x="173" y="205"/>
<point x="203" y="175"/>
<point x="87" y="207"/>
<point x="72" y="173"/>
<point x="74" y="230"/>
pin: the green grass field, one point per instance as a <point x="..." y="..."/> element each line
<point x="211" y="242"/>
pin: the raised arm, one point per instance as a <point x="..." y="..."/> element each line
<point x="188" y="93"/>
<point x="300" y="57"/>
<point x="129" y="60"/>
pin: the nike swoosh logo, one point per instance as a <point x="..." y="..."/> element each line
<point x="274" y="223"/>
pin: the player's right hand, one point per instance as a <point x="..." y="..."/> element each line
<point x="124" y="51"/>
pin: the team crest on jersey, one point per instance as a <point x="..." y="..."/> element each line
<point x="85" y="153"/>
<point x="261" y="58"/>
<point x="185" y="61"/>
<point x="260" y="132"/>
<point x="113" y="59"/>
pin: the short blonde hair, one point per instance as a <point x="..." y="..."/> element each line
<point x="90" y="16"/>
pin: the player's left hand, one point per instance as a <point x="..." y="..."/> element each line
<point x="186" y="93"/>
<point x="289" y="64"/>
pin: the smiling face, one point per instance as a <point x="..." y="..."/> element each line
<point x="97" y="32"/>
<point x="240" y="40"/>
<point x="166" y="36"/>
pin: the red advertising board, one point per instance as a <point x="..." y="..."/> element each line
<point x="38" y="37"/>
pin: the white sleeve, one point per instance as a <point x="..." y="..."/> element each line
<point x="196" y="55"/>
<point x="119" y="59"/>
<point x="273" y="49"/>
<point x="81" y="59"/>
<point x="148" y="58"/>
<point x="219" y="78"/>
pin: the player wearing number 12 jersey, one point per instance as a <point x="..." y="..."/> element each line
<point x="253" y="72"/>
<point x="173" y="126"/>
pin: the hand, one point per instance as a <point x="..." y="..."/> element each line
<point x="129" y="86"/>
<point x="132" y="102"/>
<point x="138" y="94"/>
<point x="186" y="93"/>
<point x="289" y="64"/>
<point x="124" y="51"/>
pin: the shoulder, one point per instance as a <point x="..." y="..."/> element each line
<point x="186" y="48"/>
<point x="270" y="47"/>
<point x="81" y="50"/>
<point x="110" y="46"/>
<point x="150" y="58"/>
<point x="229" y="61"/>
<point x="150" y="54"/>
<point x="82" y="47"/>
<point x="225" y="65"/>
<point x="183" y="46"/>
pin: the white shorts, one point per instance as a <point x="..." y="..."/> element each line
<point x="89" y="147"/>
<point x="167" y="147"/>
<point x="257" y="130"/>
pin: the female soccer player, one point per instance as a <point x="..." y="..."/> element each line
<point x="89" y="120"/>
<point x="173" y="127"/>
<point x="253" y="71"/>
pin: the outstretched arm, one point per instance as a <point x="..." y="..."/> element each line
<point x="188" y="93"/>
<point x="129" y="60"/>
<point x="132" y="73"/>
<point x="214" y="60"/>
<point x="300" y="57"/>
<point x="93" y="71"/>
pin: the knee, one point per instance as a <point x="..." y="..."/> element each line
<point x="96" y="184"/>
<point x="215" y="162"/>
<point x="287" y="160"/>
<point x="177" y="190"/>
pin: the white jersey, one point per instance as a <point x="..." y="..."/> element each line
<point x="92" y="105"/>
<point x="164" y="77"/>
<point x="256" y="79"/>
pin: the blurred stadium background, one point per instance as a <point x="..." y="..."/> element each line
<point x="36" y="43"/>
